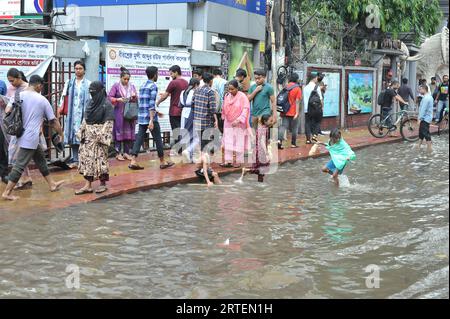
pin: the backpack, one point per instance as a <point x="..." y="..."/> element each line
<point x="380" y="99"/>
<point x="315" y="103"/>
<point x="283" y="99"/>
<point x="13" y="121"/>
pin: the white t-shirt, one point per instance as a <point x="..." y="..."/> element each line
<point x="186" y="108"/>
<point x="307" y="93"/>
<point x="35" y="108"/>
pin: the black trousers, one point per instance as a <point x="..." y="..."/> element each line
<point x="3" y="155"/>
<point x="175" y="123"/>
<point x="312" y="126"/>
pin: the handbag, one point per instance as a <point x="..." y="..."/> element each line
<point x="131" y="111"/>
<point x="64" y="108"/>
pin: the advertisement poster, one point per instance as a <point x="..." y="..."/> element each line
<point x="360" y="93"/>
<point x="25" y="54"/>
<point x="332" y="95"/>
<point x="241" y="56"/>
<point x="10" y="8"/>
<point x="136" y="59"/>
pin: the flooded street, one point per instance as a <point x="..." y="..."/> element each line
<point x="295" y="236"/>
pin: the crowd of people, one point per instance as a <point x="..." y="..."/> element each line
<point x="240" y="112"/>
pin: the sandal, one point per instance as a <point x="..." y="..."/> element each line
<point x="135" y="167"/>
<point x="167" y="165"/>
<point x="22" y="186"/>
<point x="84" y="191"/>
<point x="294" y="146"/>
<point x="120" y="158"/>
<point x="227" y="165"/>
<point x="309" y="142"/>
<point x="101" y="189"/>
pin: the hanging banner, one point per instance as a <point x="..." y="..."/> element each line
<point x="136" y="59"/>
<point x="25" y="54"/>
<point x="332" y="94"/>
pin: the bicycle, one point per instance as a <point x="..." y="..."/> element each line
<point x="409" y="125"/>
<point x="443" y="124"/>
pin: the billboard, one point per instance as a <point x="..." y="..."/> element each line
<point x="360" y="92"/>
<point x="25" y="54"/>
<point x="136" y="59"/>
<point x="253" y="6"/>
<point x="331" y="100"/>
<point x="33" y="7"/>
<point x="241" y="56"/>
<point x="10" y="8"/>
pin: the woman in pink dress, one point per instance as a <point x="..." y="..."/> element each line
<point x="124" y="130"/>
<point x="236" y="132"/>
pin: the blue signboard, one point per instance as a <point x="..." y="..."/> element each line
<point x="253" y="6"/>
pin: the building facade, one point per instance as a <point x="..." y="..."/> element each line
<point x="219" y="33"/>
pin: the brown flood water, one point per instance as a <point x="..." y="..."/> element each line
<point x="295" y="236"/>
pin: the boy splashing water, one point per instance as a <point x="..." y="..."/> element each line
<point x="340" y="153"/>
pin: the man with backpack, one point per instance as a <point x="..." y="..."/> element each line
<point x="288" y="102"/>
<point x="312" y="102"/>
<point x="34" y="108"/>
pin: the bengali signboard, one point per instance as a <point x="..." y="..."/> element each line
<point x="25" y="54"/>
<point x="332" y="96"/>
<point x="10" y="8"/>
<point x="360" y="92"/>
<point x="136" y="59"/>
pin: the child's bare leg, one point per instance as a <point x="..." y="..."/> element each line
<point x="325" y="169"/>
<point x="336" y="177"/>
<point x="217" y="179"/>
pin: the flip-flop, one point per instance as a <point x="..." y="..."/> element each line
<point x="164" y="166"/>
<point x="294" y="146"/>
<point x="228" y="165"/>
<point x="135" y="167"/>
<point x="84" y="191"/>
<point x="22" y="186"/>
<point x="101" y="189"/>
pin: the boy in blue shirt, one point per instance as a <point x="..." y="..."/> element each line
<point x="425" y="117"/>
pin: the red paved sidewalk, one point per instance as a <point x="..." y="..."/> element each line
<point x="124" y="180"/>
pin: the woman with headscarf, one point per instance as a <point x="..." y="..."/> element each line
<point x="95" y="136"/>
<point x="236" y="128"/>
<point x="123" y="133"/>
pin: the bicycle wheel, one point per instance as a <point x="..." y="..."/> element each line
<point x="376" y="126"/>
<point x="443" y="125"/>
<point x="410" y="129"/>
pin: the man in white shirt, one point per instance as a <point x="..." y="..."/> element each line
<point x="311" y="122"/>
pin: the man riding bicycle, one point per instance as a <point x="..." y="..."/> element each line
<point x="390" y="96"/>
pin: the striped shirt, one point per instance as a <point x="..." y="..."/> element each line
<point x="147" y="102"/>
<point x="204" y="104"/>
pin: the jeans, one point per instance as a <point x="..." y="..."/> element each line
<point x="385" y="111"/>
<point x="75" y="148"/>
<point x="441" y="106"/>
<point x="287" y="123"/>
<point x="23" y="159"/>
<point x="3" y="155"/>
<point x="156" y="133"/>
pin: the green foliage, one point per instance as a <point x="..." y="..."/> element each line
<point x="420" y="16"/>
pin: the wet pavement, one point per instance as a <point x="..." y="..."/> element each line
<point x="125" y="181"/>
